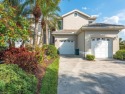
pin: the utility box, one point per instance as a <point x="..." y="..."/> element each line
<point x="76" y="51"/>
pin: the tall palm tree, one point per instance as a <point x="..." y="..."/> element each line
<point x="44" y="8"/>
<point x="49" y="16"/>
<point x="35" y="9"/>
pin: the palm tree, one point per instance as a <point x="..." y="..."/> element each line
<point x="35" y="9"/>
<point x="45" y="8"/>
<point x="50" y="15"/>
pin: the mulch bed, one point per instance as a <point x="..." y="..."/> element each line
<point x="40" y="72"/>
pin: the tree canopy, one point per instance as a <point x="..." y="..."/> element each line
<point x="12" y="29"/>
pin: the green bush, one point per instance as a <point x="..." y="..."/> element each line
<point x="90" y="57"/>
<point x="122" y="47"/>
<point x="14" y="80"/>
<point x="120" y="55"/>
<point x="50" y="50"/>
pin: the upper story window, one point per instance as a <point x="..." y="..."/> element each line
<point x="75" y="14"/>
<point x="60" y="24"/>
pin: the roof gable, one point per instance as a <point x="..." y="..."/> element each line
<point x="86" y="15"/>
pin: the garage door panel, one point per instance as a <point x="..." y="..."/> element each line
<point x="67" y="47"/>
<point x="101" y="47"/>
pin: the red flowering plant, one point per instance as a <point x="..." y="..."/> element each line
<point x="22" y="57"/>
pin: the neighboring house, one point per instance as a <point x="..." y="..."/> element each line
<point x="79" y="31"/>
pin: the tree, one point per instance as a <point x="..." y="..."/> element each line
<point x="34" y="9"/>
<point x="44" y="8"/>
<point x="11" y="28"/>
<point x="49" y="15"/>
<point x="47" y="8"/>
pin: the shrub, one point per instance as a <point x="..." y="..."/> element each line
<point x="14" y="80"/>
<point x="23" y="58"/>
<point x="29" y="47"/>
<point x="120" y="55"/>
<point x="39" y="54"/>
<point x="90" y="57"/>
<point x="122" y="47"/>
<point x="50" y="50"/>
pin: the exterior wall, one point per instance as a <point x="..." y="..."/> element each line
<point x="108" y="34"/>
<point x="81" y="43"/>
<point x="64" y="37"/>
<point x="72" y="22"/>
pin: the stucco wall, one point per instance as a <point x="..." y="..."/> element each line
<point x="81" y="42"/>
<point x="72" y="22"/>
<point x="64" y="37"/>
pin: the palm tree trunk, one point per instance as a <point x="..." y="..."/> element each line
<point x="41" y="38"/>
<point x="47" y="39"/>
<point x="35" y="35"/>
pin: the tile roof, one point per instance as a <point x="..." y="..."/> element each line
<point x="101" y="25"/>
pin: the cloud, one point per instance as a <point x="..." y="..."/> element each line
<point x="122" y="34"/>
<point x="119" y="18"/>
<point x="85" y="8"/>
<point x="99" y="14"/>
<point x="111" y="20"/>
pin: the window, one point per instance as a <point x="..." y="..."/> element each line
<point x="90" y="22"/>
<point x="103" y="38"/>
<point x="108" y="39"/>
<point x="98" y="39"/>
<point x="60" y="24"/>
<point x="75" y="14"/>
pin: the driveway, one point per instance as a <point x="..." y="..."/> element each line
<point x="78" y="76"/>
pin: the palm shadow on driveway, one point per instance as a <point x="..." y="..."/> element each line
<point x="85" y="83"/>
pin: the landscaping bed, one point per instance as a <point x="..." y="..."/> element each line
<point x="36" y="63"/>
<point x="13" y="80"/>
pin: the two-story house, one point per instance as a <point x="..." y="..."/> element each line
<point x="79" y="31"/>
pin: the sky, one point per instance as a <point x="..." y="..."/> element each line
<point x="108" y="11"/>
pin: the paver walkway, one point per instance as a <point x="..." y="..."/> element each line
<point x="78" y="76"/>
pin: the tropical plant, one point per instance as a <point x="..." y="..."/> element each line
<point x="50" y="50"/>
<point x="33" y="8"/>
<point x="11" y="28"/>
<point x="45" y="8"/>
<point x="14" y="80"/>
<point x="120" y="55"/>
<point x="49" y="16"/>
<point x="22" y="57"/>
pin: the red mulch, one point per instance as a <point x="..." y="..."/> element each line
<point x="40" y="72"/>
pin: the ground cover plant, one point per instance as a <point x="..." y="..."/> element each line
<point x="13" y="80"/>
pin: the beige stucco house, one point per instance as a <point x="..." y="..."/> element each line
<point x="81" y="32"/>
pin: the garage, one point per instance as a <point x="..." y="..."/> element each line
<point x="67" y="47"/>
<point x="101" y="47"/>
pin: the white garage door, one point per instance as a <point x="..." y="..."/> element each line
<point x="102" y="47"/>
<point x="67" y="47"/>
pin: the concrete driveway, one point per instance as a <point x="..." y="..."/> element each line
<point x="78" y="76"/>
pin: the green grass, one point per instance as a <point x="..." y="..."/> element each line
<point x="50" y="80"/>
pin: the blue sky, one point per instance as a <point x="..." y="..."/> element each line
<point x="108" y="11"/>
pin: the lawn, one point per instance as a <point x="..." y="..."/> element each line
<point x="50" y="80"/>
